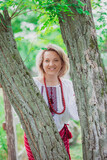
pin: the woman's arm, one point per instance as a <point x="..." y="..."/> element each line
<point x="0" y="86"/>
<point x="72" y="106"/>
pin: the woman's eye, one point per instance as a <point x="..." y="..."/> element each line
<point x="56" y="60"/>
<point x="46" y="60"/>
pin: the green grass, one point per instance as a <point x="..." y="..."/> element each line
<point x="76" y="150"/>
<point x="20" y="137"/>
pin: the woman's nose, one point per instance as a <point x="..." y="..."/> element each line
<point x="51" y="63"/>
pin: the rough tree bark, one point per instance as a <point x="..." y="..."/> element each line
<point x="12" y="152"/>
<point x="89" y="80"/>
<point x="24" y="96"/>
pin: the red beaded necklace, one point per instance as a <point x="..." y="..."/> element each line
<point x="63" y="100"/>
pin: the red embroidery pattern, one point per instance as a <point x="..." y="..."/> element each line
<point x="63" y="99"/>
<point x="53" y="98"/>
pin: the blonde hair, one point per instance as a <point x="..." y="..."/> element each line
<point x="62" y="55"/>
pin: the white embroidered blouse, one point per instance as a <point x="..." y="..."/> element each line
<point x="71" y="108"/>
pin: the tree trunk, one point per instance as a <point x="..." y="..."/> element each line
<point x="35" y="117"/>
<point x="12" y="150"/>
<point x="89" y="80"/>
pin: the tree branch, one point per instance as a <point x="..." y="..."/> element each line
<point x="2" y="21"/>
<point x="6" y="14"/>
<point x="16" y="9"/>
<point x="27" y="12"/>
<point x="1" y="17"/>
<point x="15" y="15"/>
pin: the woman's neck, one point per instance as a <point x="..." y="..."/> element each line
<point x="50" y="80"/>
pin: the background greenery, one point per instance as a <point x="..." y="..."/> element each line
<point x="33" y="31"/>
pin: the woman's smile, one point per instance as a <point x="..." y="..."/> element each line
<point x="52" y="63"/>
<point x="52" y="69"/>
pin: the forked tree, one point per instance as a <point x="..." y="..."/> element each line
<point x="89" y="80"/>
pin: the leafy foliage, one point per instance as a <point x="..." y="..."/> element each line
<point x="100" y="14"/>
<point x="32" y="33"/>
<point x="42" y="15"/>
<point x="51" y="7"/>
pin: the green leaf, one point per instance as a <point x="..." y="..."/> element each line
<point x="19" y="38"/>
<point x="87" y="13"/>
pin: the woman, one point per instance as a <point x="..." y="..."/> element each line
<point x="52" y="64"/>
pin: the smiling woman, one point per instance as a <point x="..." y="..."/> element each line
<point x="60" y="54"/>
<point x="52" y="64"/>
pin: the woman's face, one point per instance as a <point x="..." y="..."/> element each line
<point x="52" y="63"/>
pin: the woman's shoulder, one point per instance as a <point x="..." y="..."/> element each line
<point x="37" y="80"/>
<point x="68" y="87"/>
<point x="67" y="84"/>
<point x="66" y="81"/>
